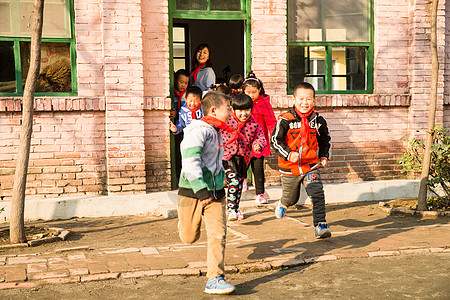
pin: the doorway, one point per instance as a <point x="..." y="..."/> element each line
<point x="228" y="44"/>
<point x="225" y="39"/>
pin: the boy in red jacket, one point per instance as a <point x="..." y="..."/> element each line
<point x="302" y="142"/>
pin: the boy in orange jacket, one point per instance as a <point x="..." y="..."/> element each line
<point x="302" y="142"/>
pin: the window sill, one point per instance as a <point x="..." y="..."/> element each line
<point x="14" y="104"/>
<point x="344" y="100"/>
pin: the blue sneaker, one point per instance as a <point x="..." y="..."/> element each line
<point x="279" y="211"/>
<point x="218" y="285"/>
<point x="322" y="231"/>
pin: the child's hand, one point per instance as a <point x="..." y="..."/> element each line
<point x="257" y="148"/>
<point x="206" y="201"/>
<point x="323" y="162"/>
<point x="172" y="114"/>
<point x="172" y="127"/>
<point x="294" y="156"/>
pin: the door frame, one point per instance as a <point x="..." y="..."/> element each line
<point x="243" y="15"/>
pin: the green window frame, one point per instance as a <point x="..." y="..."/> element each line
<point x="19" y="40"/>
<point x="307" y="53"/>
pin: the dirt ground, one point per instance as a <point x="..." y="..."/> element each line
<point x="401" y="277"/>
<point x="150" y="231"/>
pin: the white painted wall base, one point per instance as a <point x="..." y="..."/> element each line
<point x="164" y="203"/>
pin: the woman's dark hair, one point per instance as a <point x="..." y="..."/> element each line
<point x="251" y="80"/>
<point x="236" y="81"/>
<point x="180" y="72"/>
<point x="241" y="101"/>
<point x="194" y="58"/>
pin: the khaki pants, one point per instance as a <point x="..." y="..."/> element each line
<point x="190" y="212"/>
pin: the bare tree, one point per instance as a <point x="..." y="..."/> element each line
<point x="422" y="197"/>
<point x="17" y="230"/>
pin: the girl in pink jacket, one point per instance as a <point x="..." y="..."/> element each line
<point x="238" y="150"/>
<point x="263" y="114"/>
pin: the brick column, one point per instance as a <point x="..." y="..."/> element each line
<point x="420" y="66"/>
<point x="269" y="44"/>
<point x="124" y="95"/>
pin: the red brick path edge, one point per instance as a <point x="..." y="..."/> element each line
<point x="22" y="280"/>
<point x="62" y="235"/>
<point x="397" y="211"/>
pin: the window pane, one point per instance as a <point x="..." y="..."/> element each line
<point x="5" y="21"/>
<point x="307" y="64"/>
<point x="191" y="4"/>
<point x="55" y="72"/>
<point x="179" y="64"/>
<point x="179" y="50"/>
<point x="326" y="20"/>
<point x="56" y="18"/>
<point x="229" y="5"/>
<point x="7" y="70"/>
<point x="349" y="68"/>
<point x="178" y="34"/>
<point x="347" y="20"/>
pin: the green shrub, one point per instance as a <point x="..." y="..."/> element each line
<point x="439" y="175"/>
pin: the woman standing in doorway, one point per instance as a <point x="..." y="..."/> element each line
<point x="203" y="74"/>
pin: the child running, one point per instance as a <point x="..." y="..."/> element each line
<point x="201" y="195"/>
<point x="302" y="142"/>
<point x="191" y="110"/>
<point x="238" y="150"/>
<point x="264" y="115"/>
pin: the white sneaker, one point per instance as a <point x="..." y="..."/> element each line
<point x="260" y="199"/>
<point x="232" y="215"/>
<point x="239" y="215"/>
<point x="245" y="185"/>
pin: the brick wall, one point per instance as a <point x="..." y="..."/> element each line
<point x="155" y="35"/>
<point x="392" y="46"/>
<point x="114" y="137"/>
<point x="67" y="153"/>
<point x="268" y="25"/>
<point x="157" y="150"/>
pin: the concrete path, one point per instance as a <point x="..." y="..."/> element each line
<point x="260" y="242"/>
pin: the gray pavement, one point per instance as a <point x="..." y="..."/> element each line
<point x="260" y="242"/>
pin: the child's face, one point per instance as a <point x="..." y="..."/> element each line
<point x="304" y="100"/>
<point x="243" y="114"/>
<point x="182" y="83"/>
<point x="192" y="101"/>
<point x="222" y="112"/>
<point x="202" y="55"/>
<point x="252" y="91"/>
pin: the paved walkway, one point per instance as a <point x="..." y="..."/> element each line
<point x="259" y="242"/>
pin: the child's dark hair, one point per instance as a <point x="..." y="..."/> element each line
<point x="179" y="73"/>
<point x="251" y="80"/>
<point x="236" y="81"/>
<point x="305" y="86"/>
<point x="211" y="99"/>
<point x="194" y="90"/>
<point x="224" y="89"/>
<point x="241" y="101"/>
<point x="194" y="58"/>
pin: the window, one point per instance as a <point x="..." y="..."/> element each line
<point x="180" y="47"/>
<point x="57" y="72"/>
<point x="214" y="5"/>
<point x="330" y="45"/>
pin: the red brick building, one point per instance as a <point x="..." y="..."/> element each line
<point x="102" y="103"/>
